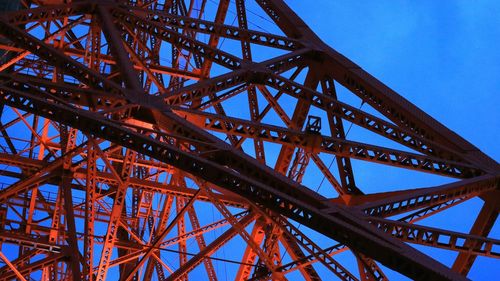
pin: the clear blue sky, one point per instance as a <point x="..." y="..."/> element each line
<point x="443" y="56"/>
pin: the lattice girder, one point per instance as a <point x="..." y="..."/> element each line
<point x="123" y="122"/>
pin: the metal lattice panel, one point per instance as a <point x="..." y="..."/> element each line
<point x="142" y="139"/>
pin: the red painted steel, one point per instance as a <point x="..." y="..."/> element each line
<point x="141" y="139"/>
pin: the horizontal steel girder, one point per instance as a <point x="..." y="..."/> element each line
<point x="280" y="198"/>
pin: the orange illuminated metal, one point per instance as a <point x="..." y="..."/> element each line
<point x="142" y="139"/>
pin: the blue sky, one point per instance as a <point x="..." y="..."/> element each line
<point x="441" y="55"/>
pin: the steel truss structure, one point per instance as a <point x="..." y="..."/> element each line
<point x="123" y="123"/>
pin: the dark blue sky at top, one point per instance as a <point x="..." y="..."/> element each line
<point x="443" y="56"/>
